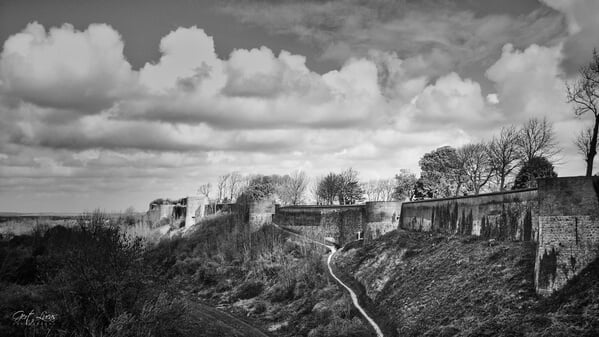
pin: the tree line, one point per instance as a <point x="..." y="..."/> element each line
<point x="290" y="189"/>
<point x="513" y="159"/>
<point x="510" y="160"/>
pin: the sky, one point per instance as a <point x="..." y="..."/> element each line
<point x="111" y="104"/>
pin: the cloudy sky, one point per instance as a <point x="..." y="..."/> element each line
<point x="111" y="104"/>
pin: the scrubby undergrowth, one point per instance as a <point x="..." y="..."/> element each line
<point x="431" y="285"/>
<point x="267" y="277"/>
<point x="96" y="279"/>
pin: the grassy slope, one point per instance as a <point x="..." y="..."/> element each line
<point x="272" y="281"/>
<point x="437" y="286"/>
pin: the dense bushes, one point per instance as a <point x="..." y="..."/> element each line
<point x="103" y="282"/>
<point x="96" y="278"/>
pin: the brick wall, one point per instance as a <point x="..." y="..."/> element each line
<point x="568" y="230"/>
<point x="509" y="215"/>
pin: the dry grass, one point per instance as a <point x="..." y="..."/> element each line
<point x="433" y="285"/>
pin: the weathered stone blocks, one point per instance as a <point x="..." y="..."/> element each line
<point x="568" y="230"/>
<point x="509" y="215"/>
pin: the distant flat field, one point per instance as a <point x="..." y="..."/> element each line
<point x="23" y="223"/>
<point x="14" y="223"/>
<point x="8" y="215"/>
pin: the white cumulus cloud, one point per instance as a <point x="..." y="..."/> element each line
<point x="64" y="68"/>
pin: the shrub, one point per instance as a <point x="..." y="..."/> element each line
<point x="97" y="275"/>
<point x="159" y="317"/>
<point x="339" y="327"/>
<point x="248" y="290"/>
<point x="259" y="307"/>
<point x="281" y="292"/>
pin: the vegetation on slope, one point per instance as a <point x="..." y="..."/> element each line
<point x="431" y="285"/>
<point x="266" y="276"/>
<point x="99" y="281"/>
<point x="93" y="279"/>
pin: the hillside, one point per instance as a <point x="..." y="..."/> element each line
<point x="275" y="282"/>
<point x="433" y="285"/>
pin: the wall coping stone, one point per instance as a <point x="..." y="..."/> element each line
<point x="473" y="196"/>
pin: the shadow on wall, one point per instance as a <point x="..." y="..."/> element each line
<point x="568" y="230"/>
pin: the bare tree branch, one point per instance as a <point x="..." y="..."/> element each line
<point x="584" y="95"/>
<point x="476" y="165"/>
<point x="503" y="153"/>
<point x="221" y="186"/>
<point x="537" y="139"/>
<point x="583" y="143"/>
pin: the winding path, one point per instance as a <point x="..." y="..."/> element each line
<point x="352" y="294"/>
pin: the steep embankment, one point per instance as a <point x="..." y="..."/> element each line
<point x="432" y="285"/>
<point x="357" y="295"/>
<point x="273" y="282"/>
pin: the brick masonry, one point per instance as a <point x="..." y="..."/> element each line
<point x="568" y="230"/>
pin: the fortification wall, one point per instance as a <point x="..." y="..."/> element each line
<point x="160" y="212"/>
<point x="298" y="216"/>
<point x="194" y="210"/>
<point x="380" y="217"/>
<point x="348" y="220"/>
<point x="568" y="230"/>
<point x="512" y="215"/>
<point x="260" y="213"/>
<point x="342" y="223"/>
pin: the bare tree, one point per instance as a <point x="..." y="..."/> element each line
<point x="314" y="190"/>
<point x="583" y="142"/>
<point x="476" y="165"/>
<point x="293" y="188"/>
<point x="537" y="139"/>
<point x="221" y="186"/>
<point x="205" y="190"/>
<point x="503" y="153"/>
<point x="235" y="180"/>
<point x="584" y="94"/>
<point x="386" y="187"/>
<point x="371" y="189"/>
<point x="379" y="189"/>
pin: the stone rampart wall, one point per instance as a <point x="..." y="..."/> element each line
<point x="260" y="213"/>
<point x="195" y="210"/>
<point x="342" y="223"/>
<point x="509" y="215"/>
<point x="381" y="217"/>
